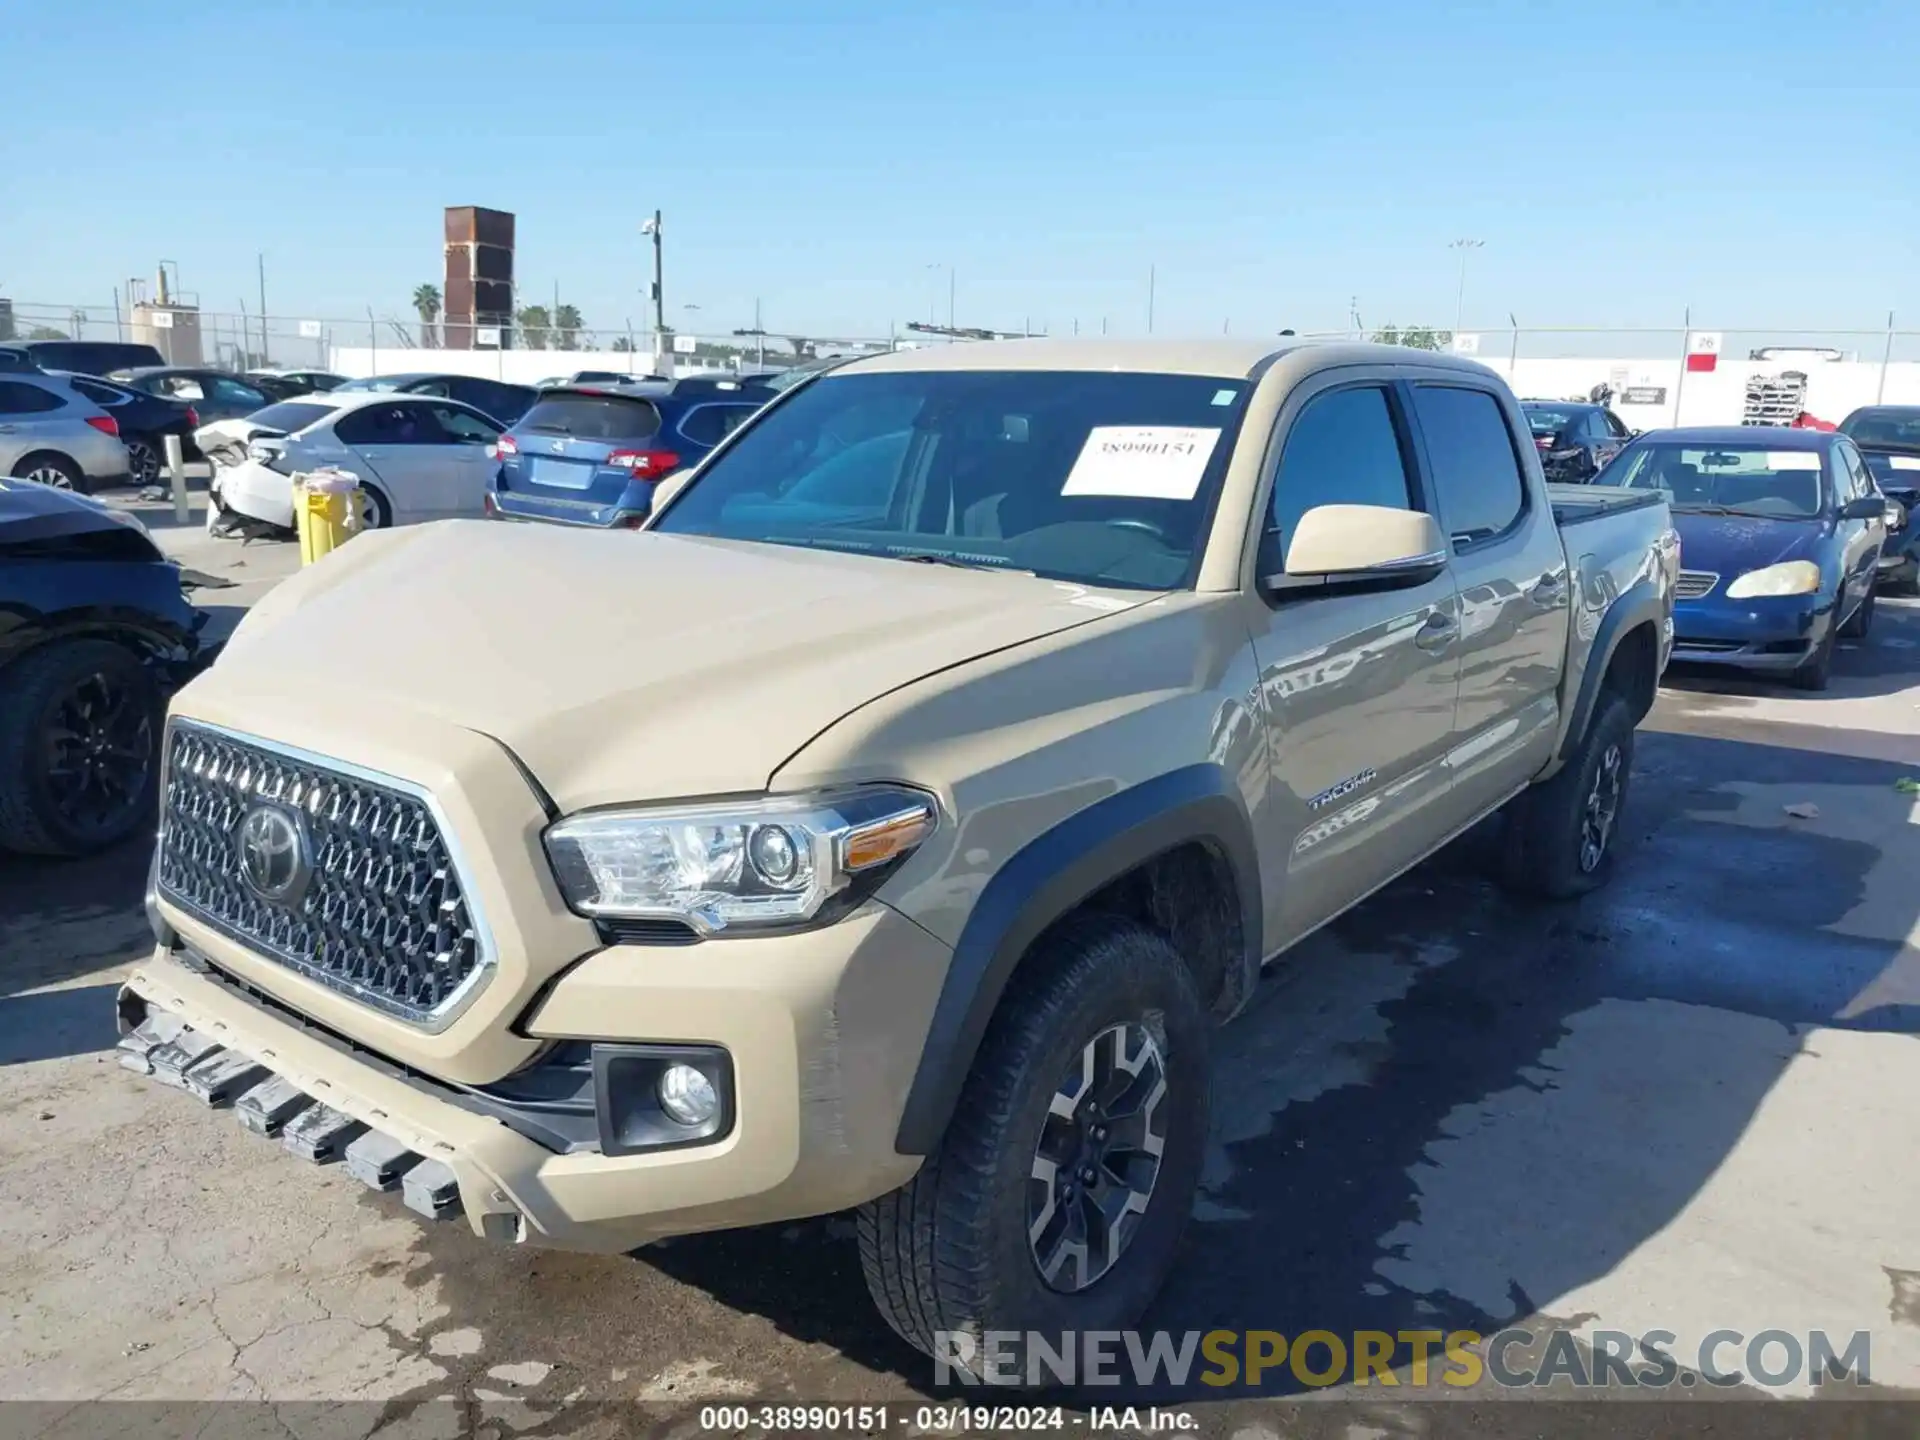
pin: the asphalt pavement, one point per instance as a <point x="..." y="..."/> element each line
<point x="1685" y="1103"/>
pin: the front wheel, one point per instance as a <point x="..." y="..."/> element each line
<point x="1057" y="1197"/>
<point x="80" y="728"/>
<point x="1861" y="621"/>
<point x="1816" y="670"/>
<point x="1560" y="834"/>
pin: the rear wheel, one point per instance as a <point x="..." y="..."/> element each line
<point x="143" y="459"/>
<point x="1057" y="1197"/>
<point x="1560" y="835"/>
<point x="375" y="512"/>
<point x="55" y="471"/>
<point x="80" y="728"/>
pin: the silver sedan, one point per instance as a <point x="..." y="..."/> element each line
<point x="51" y="433"/>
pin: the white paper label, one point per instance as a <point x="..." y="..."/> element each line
<point x="1792" y="460"/>
<point x="1151" y="462"/>
<point x="1905" y="462"/>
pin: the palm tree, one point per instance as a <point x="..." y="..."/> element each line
<point x="566" y="327"/>
<point x="534" y="326"/>
<point x="426" y="300"/>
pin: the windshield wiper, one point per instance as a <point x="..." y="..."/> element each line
<point x="936" y="557"/>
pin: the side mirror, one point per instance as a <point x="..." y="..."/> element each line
<point x="1896" y="515"/>
<point x="1867" y="507"/>
<point x="1370" y="546"/>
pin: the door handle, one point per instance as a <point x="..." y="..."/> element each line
<point x="1550" y="591"/>
<point x="1438" y="632"/>
<point x="8" y="429"/>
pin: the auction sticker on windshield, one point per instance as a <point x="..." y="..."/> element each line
<point x="1793" y="460"/>
<point x="1148" y="462"/>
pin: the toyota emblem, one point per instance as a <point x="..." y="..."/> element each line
<point x="273" y="854"/>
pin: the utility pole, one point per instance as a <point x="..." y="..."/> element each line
<point x="263" y="309"/>
<point x="1460" y="299"/>
<point x="952" y="282"/>
<point x="1150" y="280"/>
<point x="759" y="334"/>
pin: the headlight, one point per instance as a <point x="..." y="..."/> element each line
<point x="1795" y="577"/>
<point x="751" y="864"/>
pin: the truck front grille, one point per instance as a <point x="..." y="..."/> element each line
<point x="1692" y="584"/>
<point x="375" y="906"/>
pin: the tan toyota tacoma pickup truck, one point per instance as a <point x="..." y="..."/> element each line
<point x="887" y="825"/>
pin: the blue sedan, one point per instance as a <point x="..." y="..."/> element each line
<point x="1780" y="536"/>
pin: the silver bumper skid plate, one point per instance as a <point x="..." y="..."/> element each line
<point x="176" y="1054"/>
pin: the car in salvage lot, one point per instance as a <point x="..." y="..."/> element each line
<point x="1781" y="531"/>
<point x="1575" y="439"/>
<point x="145" y="421"/>
<point x="496" y="399"/>
<point x="592" y="455"/>
<point x="1888" y="437"/>
<point x="416" y="458"/>
<point x="95" y="629"/>
<point x="903" y="857"/>
<point x="54" y="435"/>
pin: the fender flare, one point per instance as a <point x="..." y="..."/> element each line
<point x="1638" y="605"/>
<point x="1046" y="879"/>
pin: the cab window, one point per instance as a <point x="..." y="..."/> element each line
<point x="1476" y="475"/>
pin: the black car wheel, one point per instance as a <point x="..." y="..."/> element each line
<point x="1056" y="1199"/>
<point x="1816" y="670"/>
<point x="1560" y="834"/>
<point x="143" y="460"/>
<point x="1861" y="621"/>
<point x="80" y="725"/>
<point x="54" y="471"/>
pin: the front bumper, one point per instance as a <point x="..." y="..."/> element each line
<point x="821" y="1029"/>
<point x="1766" y="634"/>
<point x="251" y="489"/>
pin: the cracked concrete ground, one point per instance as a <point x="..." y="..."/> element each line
<point x="1683" y="1103"/>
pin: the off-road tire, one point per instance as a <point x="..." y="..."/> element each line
<point x="1861" y="621"/>
<point x="1816" y="670"/>
<point x="949" y="1250"/>
<point x="29" y="688"/>
<point x="1541" y="851"/>
<point x="51" y="460"/>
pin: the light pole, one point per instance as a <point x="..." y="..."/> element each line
<point x="652" y="227"/>
<point x="1460" y="299"/>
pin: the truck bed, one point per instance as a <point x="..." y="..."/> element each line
<point x="1573" y="504"/>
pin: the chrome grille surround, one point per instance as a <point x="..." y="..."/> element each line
<point x="388" y="918"/>
<point x="1693" y="584"/>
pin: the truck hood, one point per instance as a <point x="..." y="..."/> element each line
<point x="621" y="666"/>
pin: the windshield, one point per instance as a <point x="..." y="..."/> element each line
<point x="290" y="416"/>
<point x="1724" y="479"/>
<point x="1885" y="429"/>
<point x="1546" y="422"/>
<point x="1098" y="477"/>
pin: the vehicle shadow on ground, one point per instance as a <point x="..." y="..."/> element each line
<point x="62" y="918"/>
<point x="53" y="1024"/>
<point x="1643" y="1026"/>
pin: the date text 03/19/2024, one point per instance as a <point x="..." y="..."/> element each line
<point x="939" y="1419"/>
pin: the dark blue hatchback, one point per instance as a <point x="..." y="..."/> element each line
<point x="592" y="454"/>
<point x="1780" y="537"/>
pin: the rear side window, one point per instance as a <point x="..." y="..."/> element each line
<point x="1476" y="475"/>
<point x="1344" y="449"/>
<point x="592" y="417"/>
<point x="99" y="391"/>
<point x="18" y="399"/>
<point x="710" y="424"/>
<point x="389" y="425"/>
<point x="290" y="416"/>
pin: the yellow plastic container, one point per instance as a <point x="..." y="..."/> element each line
<point x="326" y="516"/>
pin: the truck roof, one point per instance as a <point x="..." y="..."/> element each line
<point x="1226" y="358"/>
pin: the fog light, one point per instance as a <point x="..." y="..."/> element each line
<point x="687" y="1096"/>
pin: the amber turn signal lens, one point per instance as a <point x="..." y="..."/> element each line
<point x="883" y="840"/>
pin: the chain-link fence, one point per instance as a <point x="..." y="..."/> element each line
<point x="1654" y="376"/>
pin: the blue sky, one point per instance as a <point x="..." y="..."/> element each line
<point x="1753" y="159"/>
